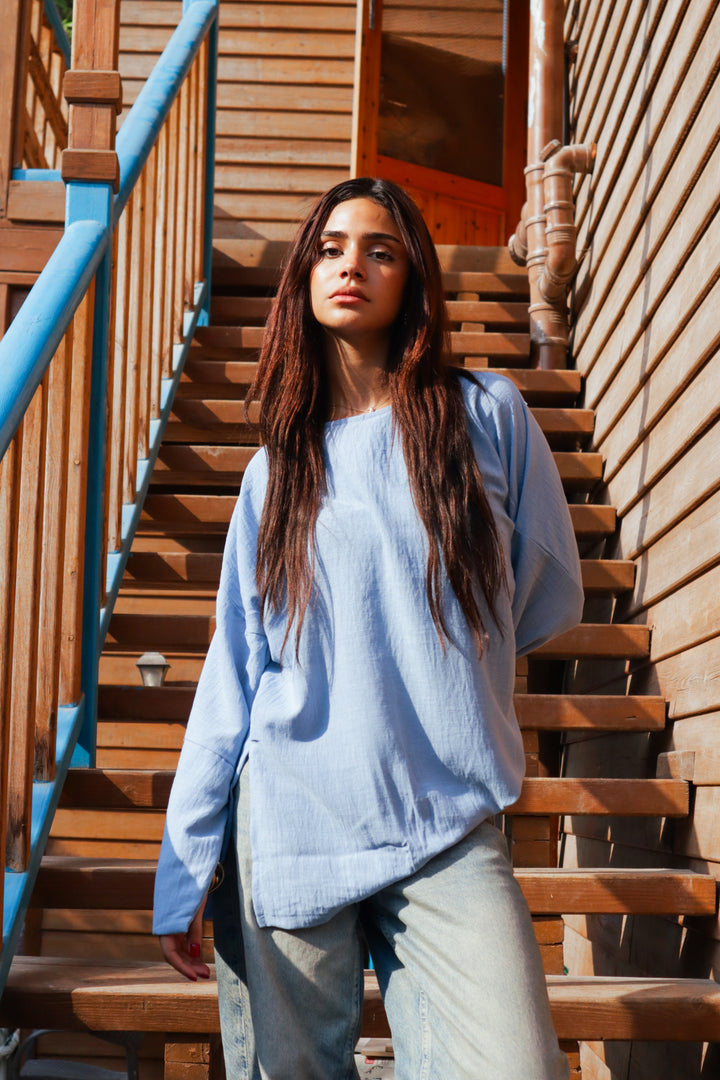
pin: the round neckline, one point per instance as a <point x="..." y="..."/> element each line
<point x="360" y="416"/>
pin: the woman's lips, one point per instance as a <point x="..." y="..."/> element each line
<point x="348" y="295"/>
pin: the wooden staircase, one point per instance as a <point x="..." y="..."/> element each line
<point x="98" y="964"/>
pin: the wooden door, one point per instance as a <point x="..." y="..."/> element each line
<point x="440" y="107"/>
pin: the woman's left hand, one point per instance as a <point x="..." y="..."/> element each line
<point x="182" y="951"/>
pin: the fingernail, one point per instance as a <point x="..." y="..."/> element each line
<point x="195" y="950"/>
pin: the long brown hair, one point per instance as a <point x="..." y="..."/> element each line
<point x="428" y="411"/>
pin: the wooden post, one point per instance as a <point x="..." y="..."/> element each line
<point x="94" y="93"/>
<point x="13" y="65"/>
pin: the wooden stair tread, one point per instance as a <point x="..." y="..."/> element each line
<point x="599" y="575"/>
<point x="257" y="251"/>
<point x="204" y="464"/>
<point x="236" y="310"/>
<point x="548" y="712"/>
<point x="175" y="566"/>
<point x="593" y="712"/>
<point x="587" y="796"/>
<point x="167" y="630"/>
<point x="588" y="520"/>
<point x="462" y="343"/>
<point x="562" y="420"/>
<point x="607" y="575"/>
<point x="536" y="384"/>
<point x="77" y="882"/>
<point x="153" y="997"/>
<point x="132" y="789"/>
<point x="598" y="640"/>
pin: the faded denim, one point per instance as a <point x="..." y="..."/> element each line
<point x="456" y="958"/>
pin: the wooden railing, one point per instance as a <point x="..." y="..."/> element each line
<point x="88" y="372"/>
<point x="44" y="126"/>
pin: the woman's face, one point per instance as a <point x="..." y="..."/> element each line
<point x="357" y="285"/>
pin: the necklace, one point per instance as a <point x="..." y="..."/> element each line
<point x="343" y="409"/>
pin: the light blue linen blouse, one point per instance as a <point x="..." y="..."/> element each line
<point x="377" y="748"/>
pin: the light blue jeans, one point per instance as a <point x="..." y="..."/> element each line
<point x="456" y="958"/>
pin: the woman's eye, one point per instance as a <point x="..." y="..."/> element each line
<point x="330" y="251"/>
<point x="382" y="255"/>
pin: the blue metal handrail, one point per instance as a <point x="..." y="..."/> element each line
<point x="26" y="350"/>
<point x="53" y="17"/>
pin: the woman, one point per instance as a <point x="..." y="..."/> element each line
<point x="401" y="537"/>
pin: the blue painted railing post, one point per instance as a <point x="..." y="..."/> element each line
<point x="94" y="202"/>
<point x="204" y="317"/>
<point x="91" y="170"/>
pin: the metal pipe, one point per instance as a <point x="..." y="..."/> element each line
<point x="546" y="234"/>
<point x="560" y="234"/>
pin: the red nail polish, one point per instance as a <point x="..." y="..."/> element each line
<point x="195" y="950"/>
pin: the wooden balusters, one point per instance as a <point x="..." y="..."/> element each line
<point x="52" y="558"/>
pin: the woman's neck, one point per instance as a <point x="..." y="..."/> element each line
<point x="357" y="377"/>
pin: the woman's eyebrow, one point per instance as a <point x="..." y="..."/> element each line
<point x="338" y="234"/>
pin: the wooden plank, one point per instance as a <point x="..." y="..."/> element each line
<point x="598" y="640"/>
<point x="626" y="798"/>
<point x="118" y="789"/>
<point x="680" y="417"/>
<point x="25" y="630"/>
<point x="51" y="568"/>
<point x="318" y="128"/>
<point x="74" y="882"/>
<point x="607" y="575"/>
<point x="157" y="703"/>
<point x="14" y="49"/>
<point x="151" y="997"/>
<point x="686" y="617"/>
<point x="71" y="629"/>
<point x="672" y="165"/>
<point x="280" y="151"/>
<point x="679" y="555"/>
<point x="278" y="178"/>
<point x="563" y="712"/>
<point x="248" y="41"/>
<point x="36" y="200"/>
<point x="25" y="249"/>
<point x="301" y="98"/>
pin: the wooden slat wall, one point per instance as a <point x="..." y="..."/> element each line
<point x="284" y="103"/>
<point x="646" y="89"/>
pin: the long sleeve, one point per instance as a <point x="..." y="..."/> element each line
<point x="215" y="738"/>
<point x="548" y="596"/>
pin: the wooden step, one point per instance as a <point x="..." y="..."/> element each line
<point x="592" y="523"/>
<point x="145" y="702"/>
<point x="607" y="575"/>
<point x="599" y="575"/>
<point x="205" y="465"/>
<point x="82" y="883"/>
<point x="598" y="641"/>
<point x="589" y="522"/>
<point x="221" y="340"/>
<point x="193" y="631"/>
<point x="241" y="310"/>
<point x="538" y="386"/>
<point x="490" y="285"/>
<point x="579" y="470"/>
<point x="153" y="997"/>
<point x="617" y="798"/>
<point x="174" y="566"/>
<point x="589" y="712"/>
<point x="148" y="789"/>
<point x="535" y="712"/>
<point x="565" y="424"/>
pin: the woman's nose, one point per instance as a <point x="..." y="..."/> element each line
<point x="352" y="265"/>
